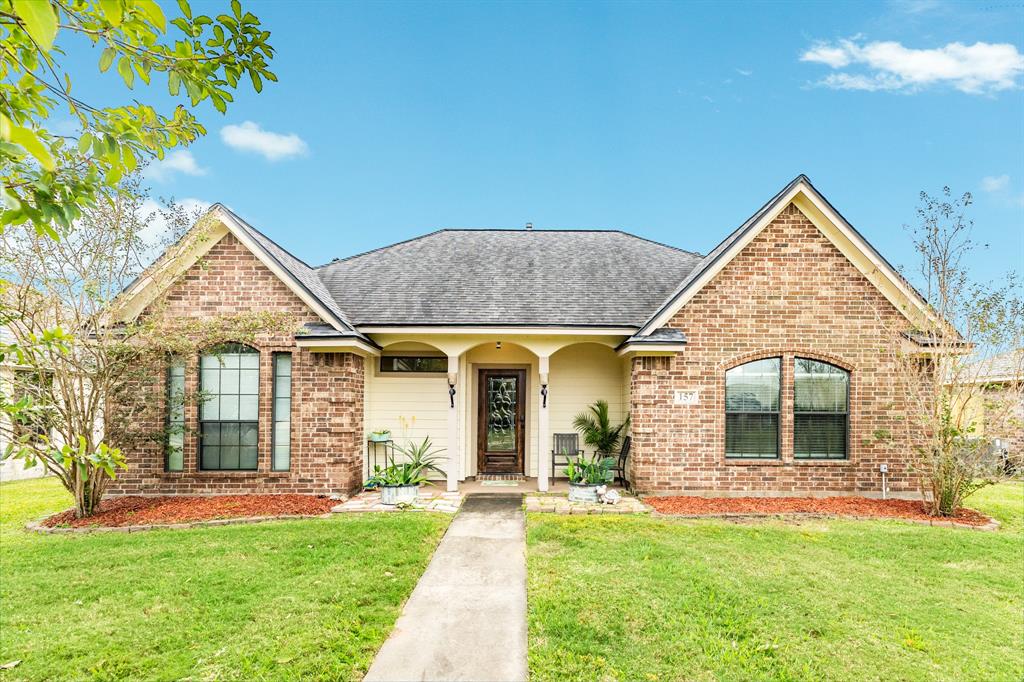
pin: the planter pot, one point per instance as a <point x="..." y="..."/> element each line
<point x="380" y="437"/>
<point x="582" y="492"/>
<point x="397" y="494"/>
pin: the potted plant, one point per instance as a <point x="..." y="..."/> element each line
<point x="399" y="482"/>
<point x="587" y="475"/>
<point x="380" y="436"/>
<point x="596" y="428"/>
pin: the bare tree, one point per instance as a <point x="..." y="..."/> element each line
<point x="68" y="285"/>
<point x="942" y="364"/>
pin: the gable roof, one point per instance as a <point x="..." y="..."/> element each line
<point x="822" y="214"/>
<point x="300" y="274"/>
<point x="535" y="278"/>
<point x="295" y="274"/>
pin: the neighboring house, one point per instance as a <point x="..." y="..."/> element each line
<point x="12" y="469"/>
<point x="998" y="411"/>
<point x="755" y="369"/>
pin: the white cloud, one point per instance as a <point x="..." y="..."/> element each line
<point x="249" y="136"/>
<point x="995" y="183"/>
<point x="178" y="161"/>
<point x="745" y="72"/>
<point x="980" y="68"/>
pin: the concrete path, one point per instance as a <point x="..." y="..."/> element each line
<point x="466" y="619"/>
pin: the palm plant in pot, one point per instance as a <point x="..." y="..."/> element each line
<point x="595" y="425"/>
<point x="399" y="481"/>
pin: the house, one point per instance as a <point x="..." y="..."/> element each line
<point x="756" y="369"/>
<point x="12" y="468"/>
<point x="996" y="407"/>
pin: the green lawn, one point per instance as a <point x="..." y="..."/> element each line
<point x="655" y="599"/>
<point x="282" y="600"/>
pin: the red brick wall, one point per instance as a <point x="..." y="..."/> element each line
<point x="789" y="292"/>
<point x="327" y="393"/>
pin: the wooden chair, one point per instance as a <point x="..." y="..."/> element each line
<point x="619" y="468"/>
<point x="567" y="448"/>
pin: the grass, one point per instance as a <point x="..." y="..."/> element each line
<point x="655" y="599"/>
<point x="309" y="599"/>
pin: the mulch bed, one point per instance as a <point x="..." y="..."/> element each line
<point x="139" y="511"/>
<point x="832" y="506"/>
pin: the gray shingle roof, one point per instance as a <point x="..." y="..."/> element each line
<point x="509" y="277"/>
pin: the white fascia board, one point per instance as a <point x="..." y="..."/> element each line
<point x="651" y="349"/>
<point x="684" y="296"/>
<point x="510" y="331"/>
<point x="346" y="345"/>
<point x="286" y="277"/>
<point x="803" y="191"/>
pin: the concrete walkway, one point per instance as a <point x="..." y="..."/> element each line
<point x="466" y="619"/>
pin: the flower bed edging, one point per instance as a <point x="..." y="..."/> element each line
<point x="38" y="527"/>
<point x="737" y="516"/>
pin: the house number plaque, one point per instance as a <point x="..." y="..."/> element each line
<point x="686" y="398"/>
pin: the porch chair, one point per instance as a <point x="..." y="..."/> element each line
<point x="619" y="468"/>
<point x="567" y="448"/>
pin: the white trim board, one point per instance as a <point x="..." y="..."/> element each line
<point x="143" y="291"/>
<point x="840" y="233"/>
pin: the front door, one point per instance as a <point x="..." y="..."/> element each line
<point x="501" y="422"/>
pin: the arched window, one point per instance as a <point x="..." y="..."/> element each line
<point x="821" y="410"/>
<point x="752" y="409"/>
<point x="229" y="378"/>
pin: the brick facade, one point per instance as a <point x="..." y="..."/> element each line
<point x="327" y="393"/>
<point x="789" y="293"/>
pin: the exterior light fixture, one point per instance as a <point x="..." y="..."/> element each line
<point x="497" y="346"/>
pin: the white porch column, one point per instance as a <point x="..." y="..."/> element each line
<point x="543" y="437"/>
<point x="453" y="425"/>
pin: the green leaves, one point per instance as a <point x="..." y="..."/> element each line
<point x="153" y="13"/>
<point x="28" y="139"/>
<point x="107" y="58"/>
<point x="48" y="180"/>
<point x="124" y="67"/>
<point x="39" y="20"/>
<point x="112" y="11"/>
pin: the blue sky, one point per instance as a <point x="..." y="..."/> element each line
<point x="673" y="121"/>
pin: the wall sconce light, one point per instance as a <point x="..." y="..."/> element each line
<point x="497" y="346"/>
<point x="451" y="389"/>
<point x="544" y="394"/>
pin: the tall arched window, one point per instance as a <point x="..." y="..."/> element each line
<point x="229" y="378"/>
<point x="752" y="409"/>
<point x="821" y="410"/>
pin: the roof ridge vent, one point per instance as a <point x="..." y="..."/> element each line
<point x="529" y="226"/>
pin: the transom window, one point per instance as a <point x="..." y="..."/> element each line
<point x="821" y="410"/>
<point x="752" y="409"/>
<point x="229" y="378"/>
<point x="414" y="363"/>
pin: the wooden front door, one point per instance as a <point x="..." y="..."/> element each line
<point x="501" y="421"/>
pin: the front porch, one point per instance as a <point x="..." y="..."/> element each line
<point x="491" y="404"/>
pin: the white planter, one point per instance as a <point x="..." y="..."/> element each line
<point x="397" y="494"/>
<point x="582" y="492"/>
<point x="380" y="437"/>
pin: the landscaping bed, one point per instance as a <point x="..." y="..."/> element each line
<point x="139" y="511"/>
<point x="860" y="507"/>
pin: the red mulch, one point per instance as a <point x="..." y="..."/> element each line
<point x="139" y="511"/>
<point x="835" y="506"/>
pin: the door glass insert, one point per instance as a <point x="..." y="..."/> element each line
<point x="502" y="394"/>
